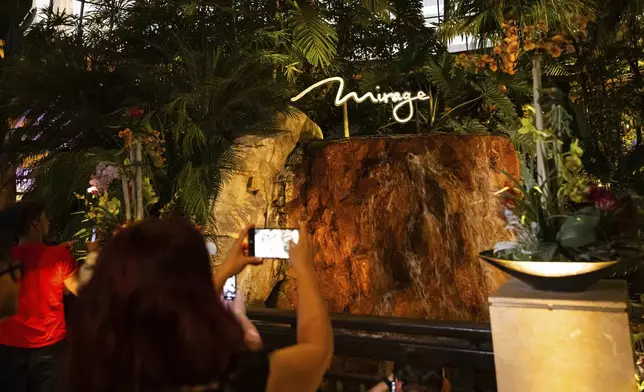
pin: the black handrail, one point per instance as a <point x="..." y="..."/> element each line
<point x="477" y="332"/>
<point x="457" y="345"/>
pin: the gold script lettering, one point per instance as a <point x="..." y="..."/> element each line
<point x="400" y="99"/>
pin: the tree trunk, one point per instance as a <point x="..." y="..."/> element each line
<point x="132" y="183"/>
<point x="126" y="197"/>
<point x="139" y="181"/>
<point x="542" y="157"/>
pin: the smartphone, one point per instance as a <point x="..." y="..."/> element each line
<point x="92" y="238"/>
<point x="230" y="288"/>
<point x="271" y="243"/>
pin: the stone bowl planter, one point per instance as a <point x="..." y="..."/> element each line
<point x="563" y="276"/>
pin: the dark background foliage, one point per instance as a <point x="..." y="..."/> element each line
<point x="212" y="72"/>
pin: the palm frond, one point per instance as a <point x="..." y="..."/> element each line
<point x="313" y="36"/>
<point x="380" y="8"/>
<point x="555" y="70"/>
<point x="483" y="19"/>
<point x="224" y="98"/>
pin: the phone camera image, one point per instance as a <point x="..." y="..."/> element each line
<point x="274" y="243"/>
<point x="230" y="288"/>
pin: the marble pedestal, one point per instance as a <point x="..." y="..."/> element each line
<point x="561" y="342"/>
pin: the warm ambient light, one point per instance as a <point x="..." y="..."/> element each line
<point x="401" y="99"/>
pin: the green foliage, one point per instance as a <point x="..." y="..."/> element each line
<point x="210" y="74"/>
<point x="577" y="222"/>
<point x="213" y="74"/>
<point x="313" y="36"/>
<point x="578" y="229"/>
<point x="15" y="18"/>
<point x="207" y="98"/>
<point x="220" y="99"/>
<point x="483" y="18"/>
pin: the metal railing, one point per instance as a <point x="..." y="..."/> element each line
<point x="459" y="346"/>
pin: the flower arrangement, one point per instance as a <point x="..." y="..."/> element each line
<point x="121" y="190"/>
<point x="530" y="38"/>
<point x="568" y="217"/>
<point x="557" y="213"/>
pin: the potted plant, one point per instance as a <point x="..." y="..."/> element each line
<point x="567" y="230"/>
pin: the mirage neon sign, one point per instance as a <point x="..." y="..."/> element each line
<point x="399" y="99"/>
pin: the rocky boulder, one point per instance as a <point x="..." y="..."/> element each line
<point x="398" y="222"/>
<point x="251" y="196"/>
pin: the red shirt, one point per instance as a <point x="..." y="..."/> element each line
<point x="40" y="320"/>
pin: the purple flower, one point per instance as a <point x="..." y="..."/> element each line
<point x="105" y="174"/>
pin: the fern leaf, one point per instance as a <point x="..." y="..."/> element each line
<point x="493" y="96"/>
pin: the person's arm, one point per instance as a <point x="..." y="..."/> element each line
<point x="384" y="385"/>
<point x="236" y="260"/>
<point x="238" y="308"/>
<point x="71" y="284"/>
<point x="68" y="268"/>
<point x="300" y="368"/>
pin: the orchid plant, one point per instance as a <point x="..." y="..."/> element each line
<point x="568" y="217"/>
<point x="121" y="190"/>
<point x="557" y="213"/>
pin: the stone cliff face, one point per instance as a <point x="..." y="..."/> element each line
<point x="253" y="196"/>
<point x="398" y="222"/>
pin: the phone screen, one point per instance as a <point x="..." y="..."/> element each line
<point x="230" y="288"/>
<point x="272" y="243"/>
<point x="93" y="237"/>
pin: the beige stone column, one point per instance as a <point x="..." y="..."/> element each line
<point x="561" y="342"/>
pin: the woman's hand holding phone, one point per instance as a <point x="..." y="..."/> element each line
<point x="236" y="260"/>
<point x="301" y="254"/>
<point x="237" y="257"/>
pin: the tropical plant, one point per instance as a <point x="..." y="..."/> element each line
<point x="15" y="18"/>
<point x="576" y="220"/>
<point x="219" y="100"/>
<point x="556" y="217"/>
<point x="109" y="200"/>
<point x="210" y="74"/>
<point x="601" y="75"/>
<point x="201" y="98"/>
<point x="605" y="78"/>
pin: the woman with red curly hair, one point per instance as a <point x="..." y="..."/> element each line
<point x="152" y="319"/>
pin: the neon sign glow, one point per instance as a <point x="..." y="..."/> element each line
<point x="400" y="99"/>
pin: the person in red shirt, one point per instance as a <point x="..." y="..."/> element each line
<point x="31" y="341"/>
<point x="10" y="274"/>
